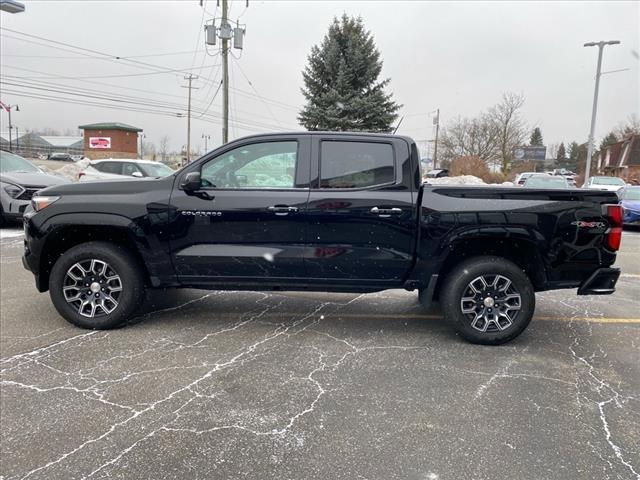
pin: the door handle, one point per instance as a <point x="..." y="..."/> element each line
<point x="282" y="210"/>
<point x="386" y="212"/>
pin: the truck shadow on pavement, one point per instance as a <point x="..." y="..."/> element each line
<point x="386" y="317"/>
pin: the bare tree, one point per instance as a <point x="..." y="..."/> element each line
<point x="470" y="137"/>
<point x="630" y="127"/>
<point x="149" y="149"/>
<point x="469" y="165"/>
<point x="512" y="130"/>
<point x="164" y="148"/>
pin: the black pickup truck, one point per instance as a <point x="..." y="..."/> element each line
<point x="331" y="212"/>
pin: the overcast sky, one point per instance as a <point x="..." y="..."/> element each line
<point x="455" y="56"/>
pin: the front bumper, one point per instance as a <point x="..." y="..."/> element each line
<point x="601" y="282"/>
<point x="32" y="252"/>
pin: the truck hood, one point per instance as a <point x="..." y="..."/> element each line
<point x="106" y="187"/>
<point x="34" y="179"/>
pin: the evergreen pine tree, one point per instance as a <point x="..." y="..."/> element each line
<point x="342" y="88"/>
<point x="608" y="140"/>
<point x="561" y="156"/>
<point x="536" y="138"/>
<point x="572" y="161"/>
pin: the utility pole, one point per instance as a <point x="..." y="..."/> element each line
<point x="189" y="78"/>
<point x="206" y="137"/>
<point x="601" y="44"/>
<point x="225" y="32"/>
<point x="224" y="26"/>
<point x="141" y="135"/>
<point x="436" y="120"/>
<point x="8" y="109"/>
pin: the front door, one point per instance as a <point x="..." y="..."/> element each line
<point x="246" y="223"/>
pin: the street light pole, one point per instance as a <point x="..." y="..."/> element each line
<point x="601" y="44"/>
<point x="435" y="144"/>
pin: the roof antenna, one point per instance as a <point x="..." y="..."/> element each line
<point x="398" y="126"/>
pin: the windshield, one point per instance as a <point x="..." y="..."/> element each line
<point x="155" y="169"/>
<point x="13" y="163"/>
<point x="631" y="194"/>
<point x="546" y="182"/>
<point x="608" y="181"/>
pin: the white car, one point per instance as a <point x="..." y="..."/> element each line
<point x="611" y="184"/>
<point x="122" y="169"/>
<point x="519" y="181"/>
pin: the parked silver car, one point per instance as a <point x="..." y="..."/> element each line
<point x="19" y="180"/>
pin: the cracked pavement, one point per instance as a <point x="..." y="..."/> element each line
<point x="308" y="385"/>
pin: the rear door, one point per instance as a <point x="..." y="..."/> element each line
<point x="247" y="223"/>
<point x="361" y="210"/>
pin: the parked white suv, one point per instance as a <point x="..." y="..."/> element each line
<point x="120" y="169"/>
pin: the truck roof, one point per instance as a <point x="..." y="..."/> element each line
<point x="326" y="133"/>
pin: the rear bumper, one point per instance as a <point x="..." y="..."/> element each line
<point x="601" y="282"/>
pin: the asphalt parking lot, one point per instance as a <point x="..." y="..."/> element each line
<point x="209" y="385"/>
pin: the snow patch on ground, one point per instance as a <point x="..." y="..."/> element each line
<point x="10" y="233"/>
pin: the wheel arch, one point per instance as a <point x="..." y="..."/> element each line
<point x="71" y="232"/>
<point x="521" y="252"/>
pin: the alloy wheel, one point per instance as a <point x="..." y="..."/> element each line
<point x="92" y="287"/>
<point x="491" y="303"/>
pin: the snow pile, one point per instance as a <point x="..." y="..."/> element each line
<point x="69" y="171"/>
<point x="461" y="180"/>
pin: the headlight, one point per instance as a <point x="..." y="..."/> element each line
<point x="14" y="191"/>
<point x="39" y="203"/>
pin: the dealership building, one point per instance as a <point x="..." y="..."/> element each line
<point x="110" y="140"/>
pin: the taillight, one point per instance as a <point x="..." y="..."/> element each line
<point x="613" y="236"/>
<point x="80" y="174"/>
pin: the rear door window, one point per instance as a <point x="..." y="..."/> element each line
<point x="355" y="164"/>
<point x="110" y="167"/>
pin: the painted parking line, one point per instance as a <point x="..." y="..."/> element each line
<point x="392" y="316"/>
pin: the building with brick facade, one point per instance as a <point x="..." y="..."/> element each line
<point x="110" y="140"/>
<point x="622" y="159"/>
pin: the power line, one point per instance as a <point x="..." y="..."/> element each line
<point x="93" y="82"/>
<point x="242" y="124"/>
<point x="76" y="57"/>
<point x="93" y="94"/>
<point x="257" y="94"/>
<point x="211" y="102"/>
<point x="93" y="53"/>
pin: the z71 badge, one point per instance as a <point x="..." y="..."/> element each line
<point x="582" y="224"/>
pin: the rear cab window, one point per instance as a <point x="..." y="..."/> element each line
<point x="355" y="164"/>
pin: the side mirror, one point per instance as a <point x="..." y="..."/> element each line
<point x="136" y="174"/>
<point x="191" y="182"/>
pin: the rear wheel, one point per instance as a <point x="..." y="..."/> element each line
<point x="96" y="285"/>
<point x="488" y="300"/>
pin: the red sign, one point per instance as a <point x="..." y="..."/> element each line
<point x="99" y="142"/>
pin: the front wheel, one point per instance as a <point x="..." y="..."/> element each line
<point x="96" y="285"/>
<point x="488" y="300"/>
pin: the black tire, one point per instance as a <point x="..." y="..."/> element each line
<point x="501" y="322"/>
<point x="120" y="305"/>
